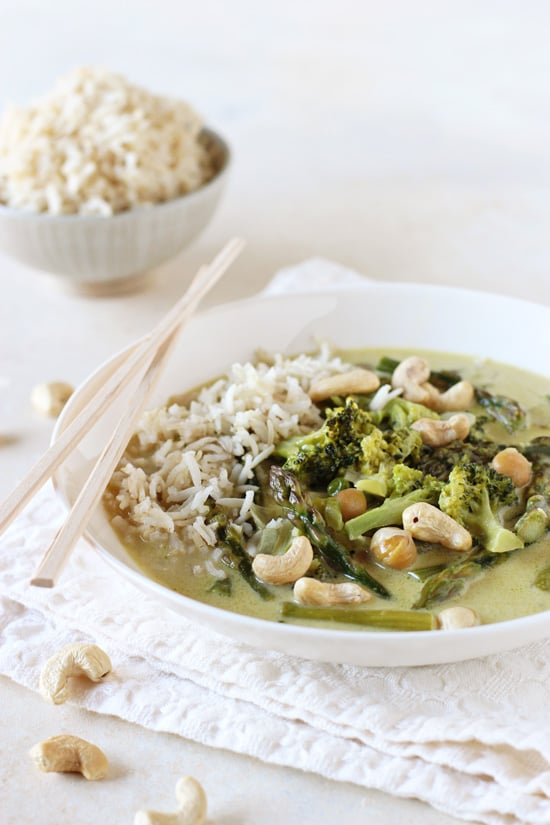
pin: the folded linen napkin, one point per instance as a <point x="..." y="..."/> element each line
<point x="471" y="739"/>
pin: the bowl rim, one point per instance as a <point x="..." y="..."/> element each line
<point x="492" y="631"/>
<point x="211" y="134"/>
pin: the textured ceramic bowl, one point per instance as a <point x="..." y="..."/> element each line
<point x="102" y="255"/>
<point x="379" y="315"/>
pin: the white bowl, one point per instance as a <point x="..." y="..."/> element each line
<point x="104" y="255"/>
<point x="380" y="315"/>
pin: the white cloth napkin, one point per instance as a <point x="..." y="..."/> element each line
<point x="472" y="739"/>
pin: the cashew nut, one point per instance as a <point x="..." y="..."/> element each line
<point x="70" y="754"/>
<point x="439" y="432"/>
<point x="454" y="618"/>
<point x="412" y="376"/>
<point x="354" y="382"/>
<point x="510" y="462"/>
<point x="192" y="811"/>
<point x="313" y="592"/>
<point x="287" y="568"/>
<point x="458" y="397"/>
<point x="49" y="399"/>
<point x="428" y="523"/>
<point x="393" y="547"/>
<point x="80" y="659"/>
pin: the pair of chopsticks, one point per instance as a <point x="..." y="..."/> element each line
<point x="146" y="358"/>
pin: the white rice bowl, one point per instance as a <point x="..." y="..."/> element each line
<point x="379" y="315"/>
<point x="99" y="145"/>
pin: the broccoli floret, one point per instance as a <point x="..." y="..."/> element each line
<point x="473" y="496"/>
<point x="384" y="449"/>
<point x="476" y="449"/>
<point x="408" y="486"/>
<point x="406" y="479"/>
<point x="381" y="451"/>
<point x="374" y="452"/>
<point x="398" y="480"/>
<point x="317" y="457"/>
<point x="404" y="444"/>
<point x="399" y="414"/>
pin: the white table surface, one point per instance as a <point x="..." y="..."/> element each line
<point x="410" y="142"/>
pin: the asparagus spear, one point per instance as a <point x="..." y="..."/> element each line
<point x="387" y="619"/>
<point x="452" y="580"/>
<point x="421" y="574"/>
<point x="236" y="557"/>
<point x="289" y="494"/>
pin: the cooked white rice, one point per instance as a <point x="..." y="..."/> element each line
<point x="98" y="145"/>
<point x="186" y="460"/>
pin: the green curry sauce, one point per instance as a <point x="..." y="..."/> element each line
<point x="504" y="591"/>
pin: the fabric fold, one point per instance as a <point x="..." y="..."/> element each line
<point x="468" y="738"/>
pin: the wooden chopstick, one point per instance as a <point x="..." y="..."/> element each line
<point x="59" y="550"/>
<point x="66" y="537"/>
<point x="137" y="358"/>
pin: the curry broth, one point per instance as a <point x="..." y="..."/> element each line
<point x="505" y="591"/>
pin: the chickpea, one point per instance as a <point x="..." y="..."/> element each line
<point x="393" y="547"/>
<point x="352" y="503"/>
<point x="510" y="462"/>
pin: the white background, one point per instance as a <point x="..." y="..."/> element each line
<point x="407" y="139"/>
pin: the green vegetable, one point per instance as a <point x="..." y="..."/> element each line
<point x="473" y="497"/>
<point x="375" y="485"/>
<point x="405" y="479"/>
<point x="453" y="579"/>
<point x="299" y="508"/>
<point x="333" y="514"/>
<point x="386" y="619"/>
<point x="475" y="449"/>
<point x="391" y="510"/>
<point x="399" y="414"/>
<point x="222" y="586"/>
<point x="317" y="457"/>
<point x="236" y="557"/>
<point x="275" y="540"/>
<point x="503" y="409"/>
<point x="538" y="453"/>
<point x="337" y="485"/>
<point x="533" y="524"/>
<point x="421" y="574"/>
<point x="381" y="450"/>
<point x="387" y="365"/>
